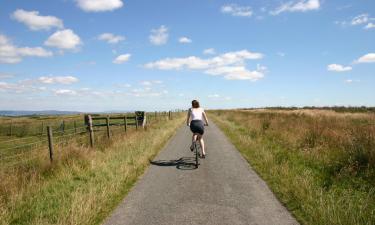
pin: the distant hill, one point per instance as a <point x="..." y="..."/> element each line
<point x="29" y="113"/>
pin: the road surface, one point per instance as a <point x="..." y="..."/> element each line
<point x="223" y="190"/>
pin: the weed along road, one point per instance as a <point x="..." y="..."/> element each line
<point x="223" y="190"/>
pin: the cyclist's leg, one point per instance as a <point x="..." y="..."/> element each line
<point x="201" y="141"/>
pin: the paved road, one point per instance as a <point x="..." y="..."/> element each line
<point x="223" y="190"/>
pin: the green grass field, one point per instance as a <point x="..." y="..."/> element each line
<point x="320" y="163"/>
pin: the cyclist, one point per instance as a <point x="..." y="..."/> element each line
<point x="195" y="118"/>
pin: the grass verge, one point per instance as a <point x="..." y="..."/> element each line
<point x="83" y="185"/>
<point x="321" y="166"/>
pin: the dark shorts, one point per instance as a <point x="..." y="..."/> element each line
<point x="197" y="126"/>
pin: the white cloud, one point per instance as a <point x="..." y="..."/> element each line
<point x="66" y="92"/>
<point x="236" y="73"/>
<point x="111" y="38"/>
<point x="349" y="81"/>
<point x="122" y="58"/>
<point x="20" y="86"/>
<point x="281" y="54"/>
<point x="159" y="36"/>
<point x="148" y="90"/>
<point x="214" y="96"/>
<point x="124" y="85"/>
<point x="230" y="65"/>
<point x="209" y="51"/>
<point x="218" y="97"/>
<point x="236" y="10"/>
<point x="63" y="39"/>
<point x="99" y="5"/>
<point x="146" y="83"/>
<point x="370" y="26"/>
<point x="10" y="53"/>
<point x="34" y="21"/>
<point x="300" y="6"/>
<point x="57" y="80"/>
<point x="338" y="68"/>
<point x="368" y="58"/>
<point x="151" y="82"/>
<point x="184" y="40"/>
<point x="193" y="62"/>
<point x="360" y="19"/>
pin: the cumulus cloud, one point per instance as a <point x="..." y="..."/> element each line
<point x="57" y="79"/>
<point x="34" y="21"/>
<point x="299" y="6"/>
<point x="159" y="36"/>
<point x="64" y="39"/>
<point x="111" y="38"/>
<point x="236" y="73"/>
<point x="184" y="40"/>
<point x="209" y="51"/>
<point x="368" y="58"/>
<point x="99" y="5"/>
<point x="231" y="65"/>
<point x="338" y="68"/>
<point x="10" y="53"/>
<point x="236" y="10"/>
<point x="121" y="58"/>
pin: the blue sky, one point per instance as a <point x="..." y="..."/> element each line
<point x="96" y="55"/>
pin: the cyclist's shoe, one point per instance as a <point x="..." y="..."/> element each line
<point x="204" y="156"/>
<point x="191" y="147"/>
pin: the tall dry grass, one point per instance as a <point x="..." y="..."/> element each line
<point x="82" y="185"/>
<point x="321" y="164"/>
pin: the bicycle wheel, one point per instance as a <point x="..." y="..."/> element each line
<point x="196" y="155"/>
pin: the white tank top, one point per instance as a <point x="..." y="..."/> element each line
<point x="196" y="113"/>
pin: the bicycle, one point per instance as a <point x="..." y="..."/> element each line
<point x="196" y="150"/>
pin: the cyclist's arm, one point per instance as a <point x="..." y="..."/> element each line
<point x="188" y="118"/>
<point x="205" y="118"/>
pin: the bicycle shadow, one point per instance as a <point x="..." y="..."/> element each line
<point x="184" y="163"/>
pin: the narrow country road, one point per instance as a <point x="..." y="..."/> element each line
<point x="223" y="190"/>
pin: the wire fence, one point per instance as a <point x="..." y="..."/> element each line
<point x="41" y="146"/>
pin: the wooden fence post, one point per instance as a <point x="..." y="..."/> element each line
<point x="107" y="123"/>
<point x="63" y="126"/>
<point x="91" y="130"/>
<point x="42" y="128"/>
<point x="136" y="122"/>
<point x="50" y="143"/>
<point x="169" y="115"/>
<point x="156" y="114"/>
<point x="125" y="123"/>
<point x="75" y="127"/>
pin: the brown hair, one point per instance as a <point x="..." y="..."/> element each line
<point x="195" y="104"/>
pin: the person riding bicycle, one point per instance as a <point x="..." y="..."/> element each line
<point x="195" y="118"/>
